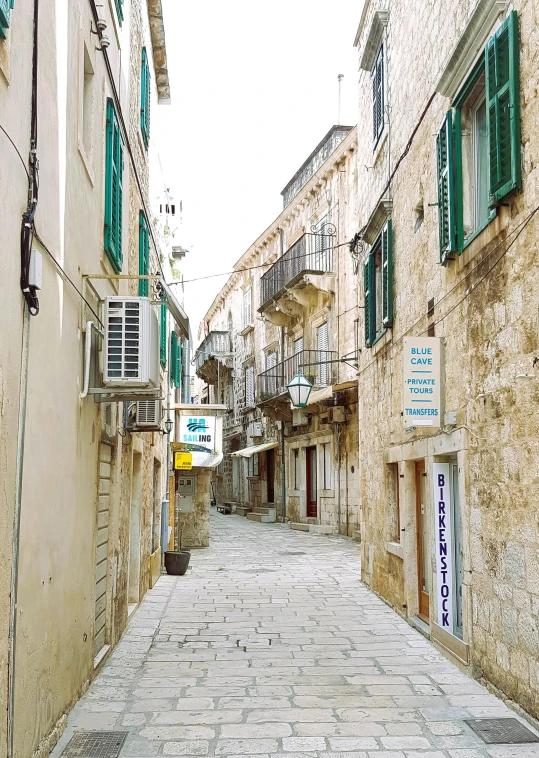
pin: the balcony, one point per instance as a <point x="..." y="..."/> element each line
<point x="212" y="356"/>
<point x="298" y="274"/>
<point x="272" y="382"/>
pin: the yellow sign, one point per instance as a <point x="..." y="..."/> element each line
<point x="183" y="461"/>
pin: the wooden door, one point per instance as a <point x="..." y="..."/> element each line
<point x="270" y="474"/>
<point x="312" y="507"/>
<point x="423" y="573"/>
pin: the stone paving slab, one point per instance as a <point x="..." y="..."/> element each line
<point x="258" y="652"/>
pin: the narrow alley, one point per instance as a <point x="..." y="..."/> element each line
<point x="271" y="646"/>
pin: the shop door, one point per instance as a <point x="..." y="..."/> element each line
<point x="235" y="479"/>
<point x="423" y="572"/>
<point x="457" y="548"/>
<point x="270" y="475"/>
<point x="312" y="509"/>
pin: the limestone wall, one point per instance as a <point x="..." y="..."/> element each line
<point x="485" y="311"/>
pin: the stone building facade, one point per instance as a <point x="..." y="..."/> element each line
<point x="447" y="246"/>
<point x="73" y="476"/>
<point x="291" y="307"/>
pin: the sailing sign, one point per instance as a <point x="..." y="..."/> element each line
<point x="422" y="381"/>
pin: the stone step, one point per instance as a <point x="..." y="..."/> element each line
<point x="266" y="515"/>
<point x="243" y="510"/>
<point x="323" y="529"/>
<point x="254" y="516"/>
<point x="357" y="536"/>
<point x="264" y="511"/>
<point x="299" y="527"/>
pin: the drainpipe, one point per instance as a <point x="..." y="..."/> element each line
<point x="339" y="478"/>
<point x="17" y="532"/>
<point x="283" y="454"/>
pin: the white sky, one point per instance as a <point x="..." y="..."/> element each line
<point x="254" y="89"/>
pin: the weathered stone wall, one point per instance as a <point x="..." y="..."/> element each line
<point x="333" y="193"/>
<point x="486" y="314"/>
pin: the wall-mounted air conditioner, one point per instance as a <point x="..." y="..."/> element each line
<point x="255" y="429"/>
<point x="148" y="418"/>
<point x="131" y="356"/>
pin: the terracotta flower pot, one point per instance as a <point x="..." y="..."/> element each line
<point x="176" y="562"/>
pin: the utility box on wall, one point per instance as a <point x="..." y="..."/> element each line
<point x="185" y="494"/>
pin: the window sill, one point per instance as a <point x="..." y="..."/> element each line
<point x="246" y="329"/>
<point x="483" y="237"/>
<point x="379" y="145"/>
<point x="382" y="340"/>
<point x="395" y="548"/>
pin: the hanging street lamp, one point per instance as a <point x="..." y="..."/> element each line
<point x="299" y="388"/>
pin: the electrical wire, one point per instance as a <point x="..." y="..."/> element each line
<point x="27" y="224"/>
<point x="16" y="150"/>
<point x="260" y="265"/>
<point x="65" y="276"/>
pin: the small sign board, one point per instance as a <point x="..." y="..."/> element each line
<point x="422" y="381"/>
<point x="443" y="539"/>
<point x="183" y="461"/>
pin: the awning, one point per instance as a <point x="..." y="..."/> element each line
<point x="318" y="395"/>
<point x="176" y="311"/>
<point x="247" y="452"/>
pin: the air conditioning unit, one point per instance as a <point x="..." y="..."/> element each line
<point x="148" y="418"/>
<point x="255" y="429"/>
<point x="338" y="415"/>
<point x="131" y="343"/>
<point x="299" y="417"/>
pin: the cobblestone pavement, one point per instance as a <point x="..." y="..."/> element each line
<point x="271" y="646"/>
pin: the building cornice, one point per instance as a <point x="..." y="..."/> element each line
<point x="157" y="32"/>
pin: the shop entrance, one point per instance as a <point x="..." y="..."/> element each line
<point x="312" y="505"/>
<point x="270" y="475"/>
<point x="423" y="573"/>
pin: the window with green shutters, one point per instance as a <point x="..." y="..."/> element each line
<point x="175" y="368"/>
<point x="378" y="286"/>
<point x="172" y="361"/>
<point x="163" y="335"/>
<point x="6" y="7"/>
<point x="145" y="98"/>
<point x="478" y="146"/>
<point x="178" y="365"/>
<point x="113" y="189"/>
<point x="119" y="10"/>
<point x="377" y="77"/>
<point x="143" y="255"/>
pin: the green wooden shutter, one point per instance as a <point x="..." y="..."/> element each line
<point x="173" y="356"/>
<point x="446" y="188"/>
<point x="369" y="301"/>
<point x="387" y="274"/>
<point x="163" y="336"/>
<point x="113" y="190"/>
<point x="178" y="368"/>
<point x="144" y="256"/>
<point x="120" y="10"/>
<point x="145" y="98"/>
<point x="5" y="8"/>
<point x="503" y="110"/>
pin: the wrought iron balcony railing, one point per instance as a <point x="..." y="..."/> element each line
<point x="316" y="365"/>
<point x="311" y="254"/>
<point x="215" y="346"/>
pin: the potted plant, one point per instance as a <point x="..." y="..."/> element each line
<point x="177" y="561"/>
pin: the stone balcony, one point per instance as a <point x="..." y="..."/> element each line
<point x="213" y="355"/>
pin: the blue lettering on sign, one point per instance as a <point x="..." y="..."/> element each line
<point x="443" y="553"/>
<point x="197" y="431"/>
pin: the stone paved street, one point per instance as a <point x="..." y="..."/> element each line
<point x="271" y="646"/>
